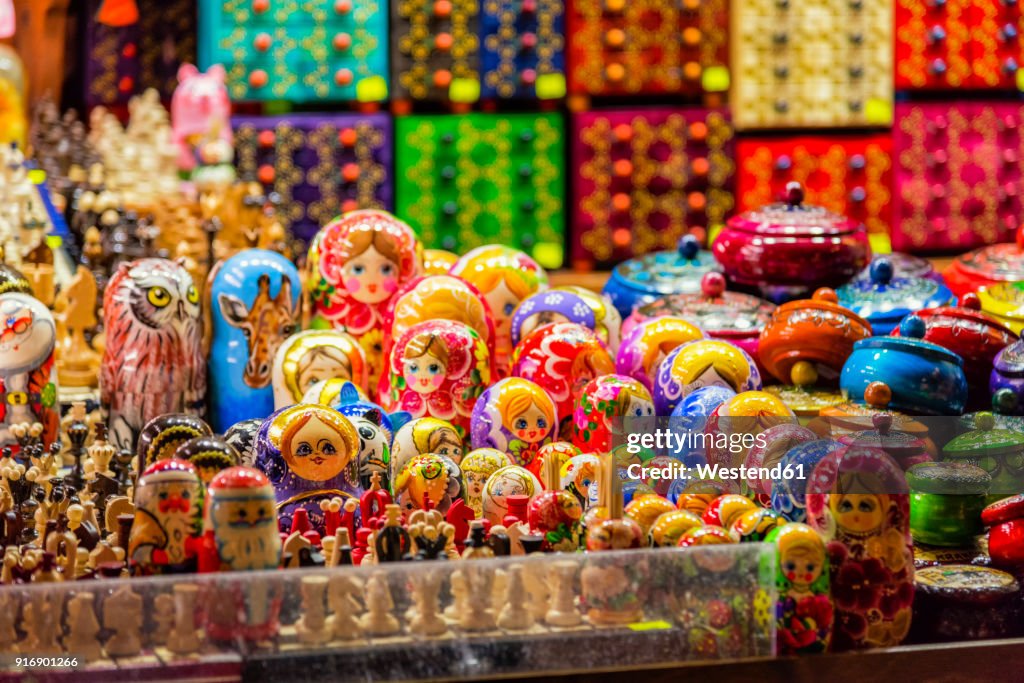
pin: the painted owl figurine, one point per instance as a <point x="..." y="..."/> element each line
<point x="153" y="362"/>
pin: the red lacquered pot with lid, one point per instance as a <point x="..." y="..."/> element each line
<point x="987" y="266"/>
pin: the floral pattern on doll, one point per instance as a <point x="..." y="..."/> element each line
<point x="428" y="482"/>
<point x="603" y="401"/>
<point x="804" y="609"/>
<point x="554" y="306"/>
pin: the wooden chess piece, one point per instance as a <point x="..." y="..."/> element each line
<point x="163" y="618"/>
<point x="378" y="620"/>
<point x="8" y="617"/>
<point x="476" y="544"/>
<point x="392" y="542"/>
<point x="122" y="613"/>
<point x="563" y="608"/>
<point x="83" y="628"/>
<point x="515" y="614"/>
<point x="426" y="594"/>
<point x="342" y="592"/>
<point x="477" y="615"/>
<point x="77" y="363"/>
<point x="183" y="638"/>
<point x="312" y="625"/>
<point x="41" y="624"/>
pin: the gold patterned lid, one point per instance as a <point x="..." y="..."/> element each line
<point x="806" y="401"/>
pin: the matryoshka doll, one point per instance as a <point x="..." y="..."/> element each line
<point x="153" y="360"/>
<point x="477" y="467"/>
<point x="648" y="344"/>
<point x="254" y="303"/>
<point x="858" y="499"/>
<point x="356" y="265"/>
<point x="556" y="515"/>
<point x="789" y="494"/>
<point x="505" y="277"/>
<point x="703" y="363"/>
<point x="162" y="436"/>
<point x="28" y="373"/>
<point x="168" y="517"/>
<point x="561" y="358"/>
<point x="438" y="369"/>
<point x="559" y="451"/>
<point x="313" y="356"/>
<point x="803" y="613"/>
<point x="421" y="436"/>
<point x="309" y="453"/>
<point x="438" y="261"/>
<point x="516" y="417"/>
<point x="209" y="454"/>
<point x="739" y="421"/>
<point x="511" y="480"/>
<point x="428" y="482"/>
<point x="544" y="308"/>
<point x="607" y="319"/>
<point x="604" y="408"/>
<point x="374" y="446"/>
<point x="577" y="475"/>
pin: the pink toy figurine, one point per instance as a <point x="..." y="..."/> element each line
<point x="201" y="119"/>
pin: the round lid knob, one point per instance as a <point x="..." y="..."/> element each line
<point x="877" y="395"/>
<point x="825" y="294"/>
<point x="913" y="327"/>
<point x="794" y="194"/>
<point x="1004" y="401"/>
<point x="803" y="374"/>
<point x="971" y="300"/>
<point x="712" y="285"/>
<point x="688" y="247"/>
<point x="881" y="271"/>
<point x="985" y="421"/>
<point x="882" y="423"/>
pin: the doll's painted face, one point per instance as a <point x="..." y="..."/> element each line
<point x="475" y="482"/>
<point x="320" y="364"/>
<point x="370" y="277"/>
<point x="538" y="319"/>
<point x="503" y="303"/>
<point x="638" y="406"/>
<point x="709" y="378"/>
<point x="446" y="442"/>
<point x="531" y="425"/>
<point x="801" y="566"/>
<point x="315" y="451"/>
<point x="859" y="513"/>
<point x="424" y="374"/>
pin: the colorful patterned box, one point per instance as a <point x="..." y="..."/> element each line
<point x="122" y="62"/>
<point x="850" y="175"/>
<point x="957" y="175"/>
<point x="628" y="47"/>
<point x="958" y="44"/>
<point x="522" y="49"/>
<point x="435" y="50"/>
<point x="811" y="64"/>
<point x="467" y="180"/>
<point x="645" y="177"/>
<point x="320" y="165"/>
<point x="298" y="50"/>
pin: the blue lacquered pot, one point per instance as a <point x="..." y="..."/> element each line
<point x="905" y="374"/>
<point x="885" y="300"/>
<point x="640" y="281"/>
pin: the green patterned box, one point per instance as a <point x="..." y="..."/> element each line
<point x="467" y="180"/>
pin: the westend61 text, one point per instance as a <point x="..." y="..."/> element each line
<point x="678" y="470"/>
<point x="676" y="441"/>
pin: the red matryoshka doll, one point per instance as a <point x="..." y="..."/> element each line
<point x="168" y="518"/>
<point x="357" y="263"/>
<point x="607" y="320"/>
<point x="556" y="515"/>
<point x="438" y="369"/>
<point x="428" y="482"/>
<point x="28" y="374"/>
<point x="422" y="436"/>
<point x="516" y="417"/>
<point x="511" y="480"/>
<point x="859" y="501"/>
<point x="602" y="408"/>
<point x="309" y="453"/>
<point x="505" y="277"/>
<point x="477" y="467"/>
<point x="703" y="363"/>
<point x="561" y="358"/>
<point x="313" y="356"/>
<point x="438" y="297"/>
<point x="153" y="362"/>
<point x="648" y="344"/>
<point x="803" y="612"/>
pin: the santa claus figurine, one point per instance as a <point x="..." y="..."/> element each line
<point x="242" y="514"/>
<point x="168" y="512"/>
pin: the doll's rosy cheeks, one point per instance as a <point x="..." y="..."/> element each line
<point x="390" y="285"/>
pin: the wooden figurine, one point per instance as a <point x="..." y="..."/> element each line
<point x="253" y="300"/>
<point x="605" y="407"/>
<point x="163" y="618"/>
<point x="428" y="482"/>
<point x="517" y="417"/>
<point x="392" y="541"/>
<point x="556" y="514"/>
<point x="427" y="620"/>
<point x="378" y="620"/>
<point x="83" y="628"/>
<point x="562" y="611"/>
<point x="343" y="593"/>
<point x="209" y="454"/>
<point x="153" y="360"/>
<point x="515" y="614"/>
<point x="312" y="356"/>
<point x="477" y="467"/>
<point x="804" y="609"/>
<point x="77" y="363"/>
<point x="312" y="625"/>
<point x="168" y="514"/>
<point x="241" y="512"/>
<point x="41" y="623"/>
<point x="183" y="638"/>
<point x="28" y="373"/>
<point x="476" y="613"/>
<point x="423" y="436"/>
<point x="122" y="614"/>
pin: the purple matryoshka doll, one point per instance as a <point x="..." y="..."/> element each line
<point x="703" y="363"/>
<point x="153" y="361"/>
<point x="356" y="265"/>
<point x="554" y="306"/>
<point x="517" y="417"/>
<point x="649" y="343"/>
<point x="309" y="453"/>
<point x="859" y="501"/>
<point x="505" y="277"/>
<point x="28" y="374"/>
<point x="438" y="368"/>
<point x="602" y="408"/>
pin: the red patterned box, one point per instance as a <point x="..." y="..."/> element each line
<point x="630" y="47"/>
<point x="851" y="175"/>
<point x="645" y="177"/>
<point x="957" y="175"/>
<point x="958" y="44"/>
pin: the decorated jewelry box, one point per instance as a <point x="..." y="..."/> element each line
<point x="987" y="266"/>
<point x="884" y="299"/>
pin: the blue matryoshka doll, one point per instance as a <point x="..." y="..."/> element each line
<point x="254" y="306"/>
<point x="309" y="453"/>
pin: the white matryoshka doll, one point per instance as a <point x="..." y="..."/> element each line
<point x="422" y="436"/>
<point x="313" y="356"/>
